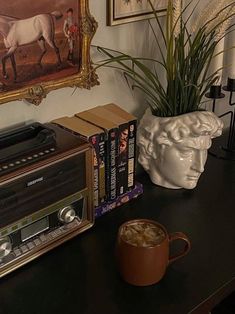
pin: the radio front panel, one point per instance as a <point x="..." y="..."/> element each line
<point x="41" y="188"/>
<point x="36" y="232"/>
<point x="46" y="193"/>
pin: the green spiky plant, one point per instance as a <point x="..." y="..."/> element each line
<point x="185" y="58"/>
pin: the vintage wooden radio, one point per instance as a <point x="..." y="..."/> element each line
<point x="46" y="191"/>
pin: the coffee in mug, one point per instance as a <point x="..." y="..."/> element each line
<point x="142" y="251"/>
<point x="142" y="234"/>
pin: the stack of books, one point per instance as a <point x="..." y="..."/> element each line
<point x="112" y="132"/>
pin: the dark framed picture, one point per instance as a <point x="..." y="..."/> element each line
<point x="44" y="45"/>
<point x="126" y="11"/>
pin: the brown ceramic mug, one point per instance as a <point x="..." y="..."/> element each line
<point x="146" y="265"/>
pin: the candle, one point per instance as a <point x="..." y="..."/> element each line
<point x="231" y="55"/>
<point x="218" y="61"/>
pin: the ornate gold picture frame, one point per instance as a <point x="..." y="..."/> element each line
<point x="41" y="51"/>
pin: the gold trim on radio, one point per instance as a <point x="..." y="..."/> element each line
<point x="42" y="213"/>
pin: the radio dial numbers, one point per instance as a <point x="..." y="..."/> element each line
<point x="67" y="214"/>
<point x="5" y="247"/>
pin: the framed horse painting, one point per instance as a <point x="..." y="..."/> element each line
<point x="126" y="11"/>
<point x="44" y="45"/>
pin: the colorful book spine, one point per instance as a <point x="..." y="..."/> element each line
<point x="95" y="142"/>
<point x="122" y="175"/>
<point x="111" y="147"/>
<point x="111" y="174"/>
<point x="102" y="167"/>
<point x="98" y="142"/>
<point x="131" y="147"/>
<point x="132" y="153"/>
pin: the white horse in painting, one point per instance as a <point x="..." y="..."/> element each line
<point x="18" y="32"/>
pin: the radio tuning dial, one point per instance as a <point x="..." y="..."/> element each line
<point x="5" y="247"/>
<point x="67" y="214"/>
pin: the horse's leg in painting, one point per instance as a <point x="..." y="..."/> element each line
<point x="13" y="63"/>
<point x="52" y="44"/>
<point x="42" y="45"/>
<point x="4" y="72"/>
<point x="4" y="59"/>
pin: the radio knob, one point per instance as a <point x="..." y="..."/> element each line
<point x="5" y="247"/>
<point x="67" y="214"/>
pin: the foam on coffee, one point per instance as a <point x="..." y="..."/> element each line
<point x="142" y="234"/>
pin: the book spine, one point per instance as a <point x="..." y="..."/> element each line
<point x="122" y="175"/>
<point x="132" y="153"/>
<point x="94" y="140"/>
<point x="102" y="168"/>
<point x="112" y="149"/>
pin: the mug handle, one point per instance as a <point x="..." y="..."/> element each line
<point x="179" y="236"/>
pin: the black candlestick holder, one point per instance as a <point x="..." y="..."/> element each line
<point x="224" y="147"/>
<point x="215" y="94"/>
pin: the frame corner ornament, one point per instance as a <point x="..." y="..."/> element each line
<point x="36" y="94"/>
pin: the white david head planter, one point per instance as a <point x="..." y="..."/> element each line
<point x="173" y="150"/>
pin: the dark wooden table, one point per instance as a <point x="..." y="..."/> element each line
<point x="81" y="277"/>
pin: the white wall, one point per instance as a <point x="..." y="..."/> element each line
<point x="129" y="38"/>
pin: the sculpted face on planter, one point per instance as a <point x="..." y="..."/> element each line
<point x="174" y="150"/>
